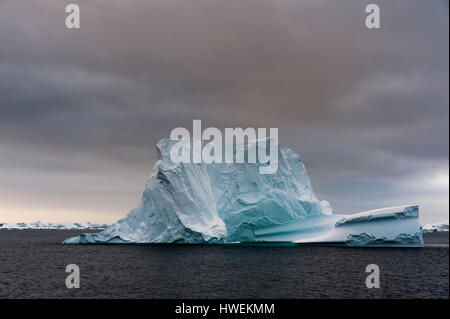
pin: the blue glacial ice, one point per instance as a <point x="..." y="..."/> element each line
<point x="234" y="203"/>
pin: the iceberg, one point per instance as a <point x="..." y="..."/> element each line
<point x="436" y="227"/>
<point x="221" y="203"/>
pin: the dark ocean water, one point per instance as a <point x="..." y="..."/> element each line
<point x="32" y="265"/>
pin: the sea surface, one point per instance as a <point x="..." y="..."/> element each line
<point x="33" y="263"/>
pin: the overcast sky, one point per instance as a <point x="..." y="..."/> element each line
<point x="81" y="110"/>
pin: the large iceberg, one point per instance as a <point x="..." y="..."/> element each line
<point x="234" y="203"/>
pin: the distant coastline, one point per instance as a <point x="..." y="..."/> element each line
<point x="49" y="225"/>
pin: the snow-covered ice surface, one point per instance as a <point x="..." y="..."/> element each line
<point x="234" y="203"/>
<point x="43" y="225"/>
<point x="429" y="228"/>
<point x="395" y="226"/>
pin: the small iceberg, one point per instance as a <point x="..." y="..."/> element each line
<point x="437" y="227"/>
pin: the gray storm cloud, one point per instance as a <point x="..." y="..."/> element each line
<point x="81" y="110"/>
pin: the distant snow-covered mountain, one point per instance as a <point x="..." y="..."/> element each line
<point x="429" y="228"/>
<point x="43" y="225"/>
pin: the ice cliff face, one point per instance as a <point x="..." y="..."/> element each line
<point x="228" y="203"/>
<point x="393" y="226"/>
